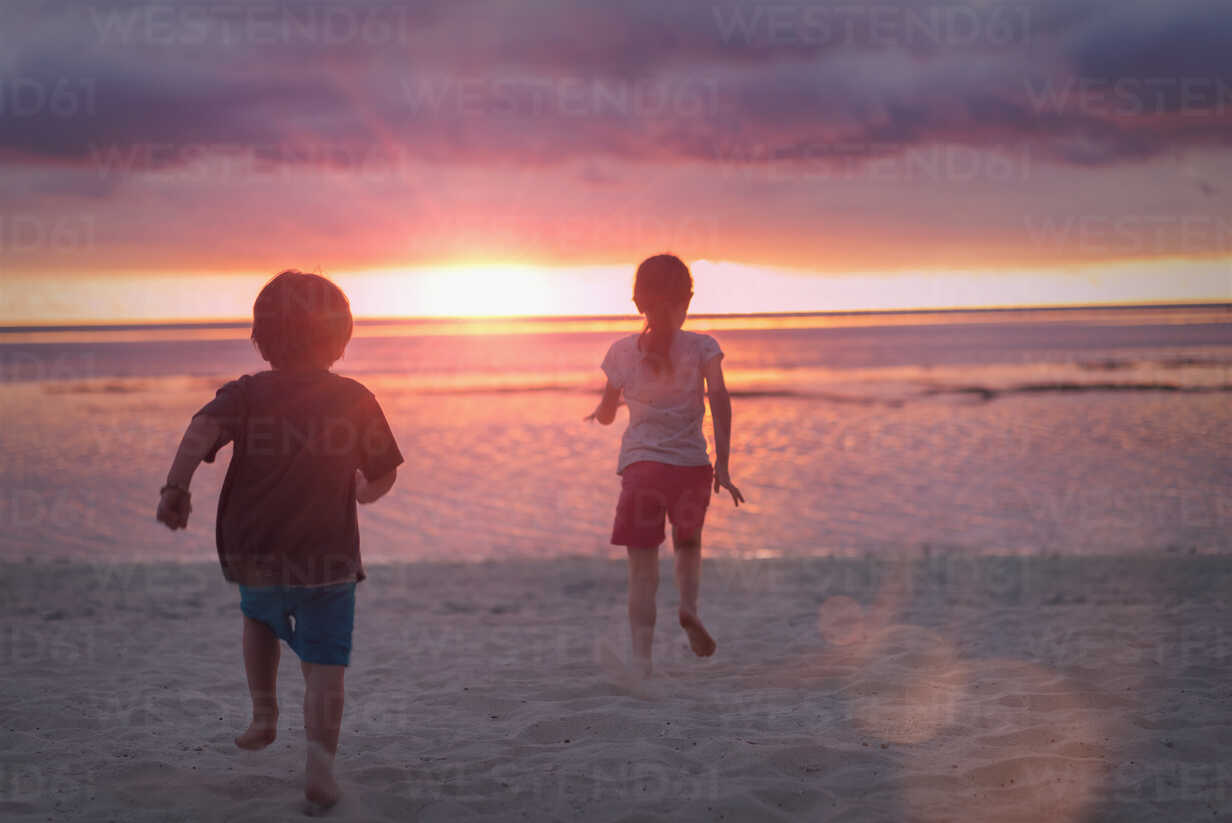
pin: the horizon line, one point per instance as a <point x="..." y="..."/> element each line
<point x="238" y="322"/>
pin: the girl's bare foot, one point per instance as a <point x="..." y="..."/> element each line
<point x="641" y="668"/>
<point x="261" y="732"/>
<point x="319" y="785"/>
<point x="700" y="641"/>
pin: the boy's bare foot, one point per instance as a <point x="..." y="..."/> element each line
<point x="319" y="785"/>
<point x="700" y="641"/>
<point x="260" y="733"/>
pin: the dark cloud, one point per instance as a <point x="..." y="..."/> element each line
<point x="70" y="109"/>
<point x="1160" y="40"/>
<point x="1079" y="81"/>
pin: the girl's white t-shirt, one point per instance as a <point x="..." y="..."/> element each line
<point x="665" y="410"/>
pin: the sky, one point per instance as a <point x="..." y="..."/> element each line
<point x="162" y="160"/>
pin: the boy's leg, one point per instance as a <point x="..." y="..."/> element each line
<point x="261" y="653"/>
<point x="643" y="587"/>
<point x="688" y="581"/>
<point x="323" y="702"/>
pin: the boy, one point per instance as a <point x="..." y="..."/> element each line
<point x="308" y="445"/>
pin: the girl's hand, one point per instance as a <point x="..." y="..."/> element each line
<point x="605" y="412"/>
<point x="174" y="506"/>
<point x="722" y="480"/>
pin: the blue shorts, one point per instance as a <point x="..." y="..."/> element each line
<point x="315" y="621"/>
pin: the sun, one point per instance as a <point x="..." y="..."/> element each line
<point x="459" y="290"/>
<point x="488" y="290"/>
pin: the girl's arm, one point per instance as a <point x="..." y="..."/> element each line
<point x="605" y="412"/>
<point x="174" y="504"/>
<point x="721" y="414"/>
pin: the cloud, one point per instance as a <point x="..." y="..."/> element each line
<point x="1163" y="41"/>
<point x="1082" y="83"/>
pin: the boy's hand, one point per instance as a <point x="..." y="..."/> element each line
<point x="722" y="480"/>
<point x="174" y="506"/>
<point x="370" y="491"/>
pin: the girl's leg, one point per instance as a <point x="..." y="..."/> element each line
<point x="643" y="587"/>
<point x="688" y="581"/>
<point x="261" y="652"/>
<point x="323" y="699"/>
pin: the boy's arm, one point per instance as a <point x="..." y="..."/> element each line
<point x="378" y="457"/>
<point x="721" y="415"/>
<point x="174" y="504"/>
<point x="605" y="412"/>
<point x="367" y="491"/>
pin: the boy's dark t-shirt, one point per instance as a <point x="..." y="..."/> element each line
<point x="286" y="514"/>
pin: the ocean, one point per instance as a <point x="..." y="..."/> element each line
<point x="1036" y="432"/>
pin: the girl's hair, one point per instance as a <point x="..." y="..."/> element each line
<point x="662" y="283"/>
<point x="301" y="321"/>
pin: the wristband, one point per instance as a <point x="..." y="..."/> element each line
<point x="171" y="486"/>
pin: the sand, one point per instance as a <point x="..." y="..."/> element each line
<point x="932" y="689"/>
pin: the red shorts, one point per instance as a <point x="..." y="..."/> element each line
<point x="651" y="491"/>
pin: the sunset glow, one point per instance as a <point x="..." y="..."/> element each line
<point x="480" y="162"/>
<point x="522" y="290"/>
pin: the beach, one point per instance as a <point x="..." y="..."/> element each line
<point x="936" y="687"/>
<point x="982" y="575"/>
<point x="431" y="312"/>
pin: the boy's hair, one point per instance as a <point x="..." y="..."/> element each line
<point x="301" y="321"/>
<point x="662" y="282"/>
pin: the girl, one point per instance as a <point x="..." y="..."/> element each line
<point x="664" y="468"/>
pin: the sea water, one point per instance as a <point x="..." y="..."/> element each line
<point x="1018" y="432"/>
